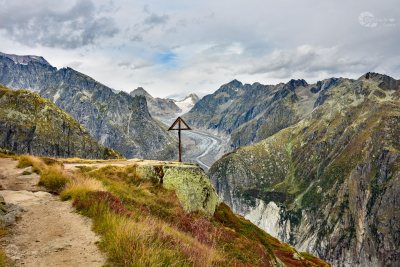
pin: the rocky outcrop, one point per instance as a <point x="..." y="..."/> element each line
<point x="191" y="185"/>
<point x="9" y="213"/>
<point x="193" y="188"/>
<point x="34" y="125"/>
<point x="328" y="184"/>
<point x="115" y="119"/>
<point x="158" y="107"/>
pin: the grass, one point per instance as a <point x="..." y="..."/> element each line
<point x="53" y="178"/>
<point x="5" y="153"/>
<point x="143" y="224"/>
<point x="27" y="161"/>
<point x="52" y="175"/>
<point x="145" y="242"/>
<point x="80" y="185"/>
<point x="4" y="260"/>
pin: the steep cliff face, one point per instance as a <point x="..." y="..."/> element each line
<point x="115" y="119"/>
<point x="34" y="125"/>
<point x="328" y="184"/>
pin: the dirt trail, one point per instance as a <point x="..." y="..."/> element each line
<point x="49" y="232"/>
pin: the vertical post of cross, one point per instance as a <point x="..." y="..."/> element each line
<point x="178" y="122"/>
<point x="180" y="144"/>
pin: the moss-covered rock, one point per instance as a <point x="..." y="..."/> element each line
<point x="34" y="125"/>
<point x="149" y="172"/>
<point x="192" y="187"/>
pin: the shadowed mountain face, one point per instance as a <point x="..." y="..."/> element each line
<point x="115" y="119"/>
<point x="326" y="176"/>
<point x="34" y="125"/>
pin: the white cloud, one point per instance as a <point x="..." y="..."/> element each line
<point x="70" y="28"/>
<point x="120" y="42"/>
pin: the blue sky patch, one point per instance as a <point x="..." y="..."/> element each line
<point x="167" y="58"/>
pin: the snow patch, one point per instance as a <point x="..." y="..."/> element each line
<point x="186" y="104"/>
<point x="56" y="96"/>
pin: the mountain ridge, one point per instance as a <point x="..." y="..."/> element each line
<point x="250" y="113"/>
<point x="328" y="182"/>
<point x="25" y="59"/>
<point x="115" y="119"/>
<point x="34" y="125"/>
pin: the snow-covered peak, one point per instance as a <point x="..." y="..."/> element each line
<point x="187" y="103"/>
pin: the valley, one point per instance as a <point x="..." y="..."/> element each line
<point x="315" y="165"/>
<point x="199" y="133"/>
<point x="204" y="147"/>
<point x="200" y="146"/>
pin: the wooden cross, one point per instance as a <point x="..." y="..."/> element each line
<point x="179" y="121"/>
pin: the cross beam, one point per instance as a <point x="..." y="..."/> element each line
<point x="179" y="122"/>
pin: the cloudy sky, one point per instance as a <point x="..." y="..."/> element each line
<point x="178" y="46"/>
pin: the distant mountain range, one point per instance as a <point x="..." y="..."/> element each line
<point x="31" y="124"/>
<point x="115" y="119"/>
<point x="251" y="112"/>
<point x="324" y="174"/>
<point x="166" y="108"/>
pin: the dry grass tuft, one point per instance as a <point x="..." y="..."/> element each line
<point x="144" y="242"/>
<point x="26" y="161"/>
<point x="80" y="185"/>
<point x="54" y="178"/>
<point x="4" y="260"/>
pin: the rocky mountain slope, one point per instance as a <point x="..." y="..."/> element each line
<point x="115" y="119"/>
<point x="329" y="183"/>
<point x="158" y="107"/>
<point x="166" y="108"/>
<point x="34" y="125"/>
<point x="250" y="113"/>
